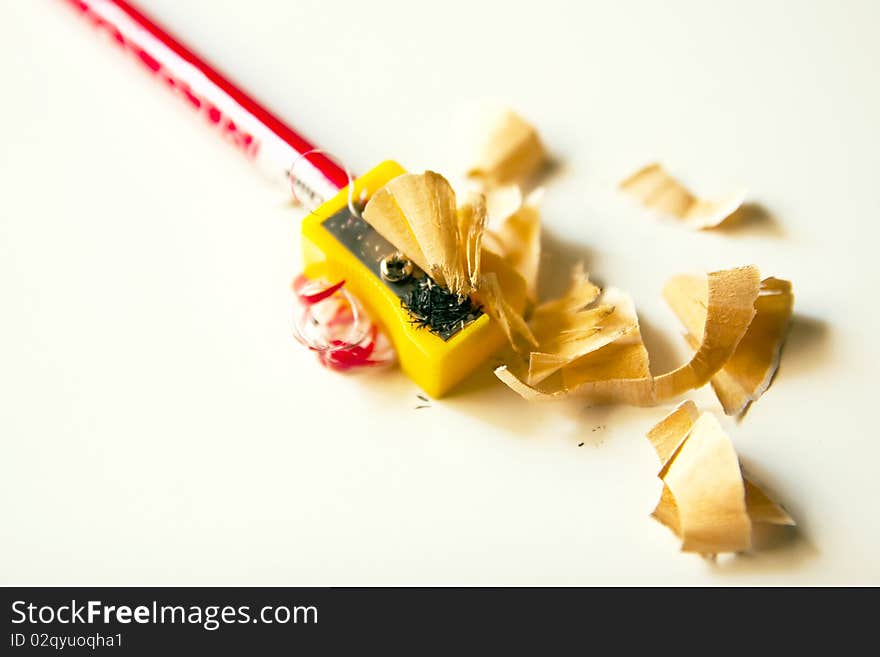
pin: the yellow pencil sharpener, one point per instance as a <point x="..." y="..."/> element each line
<point x="337" y="245"/>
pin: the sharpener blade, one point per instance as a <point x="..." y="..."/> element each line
<point x="370" y="248"/>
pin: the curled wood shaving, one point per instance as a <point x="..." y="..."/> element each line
<point x="763" y="509"/>
<point x="520" y="239"/>
<point x="501" y="202"/>
<point x="619" y="371"/>
<point x="730" y="309"/>
<point x="511" y="152"/>
<point x="572" y="327"/>
<point x="491" y="296"/>
<point x="384" y="214"/>
<point x="581" y="292"/>
<point x="471" y="226"/>
<point x="657" y="190"/>
<point x="514" y="231"/>
<point x="502" y="293"/>
<point x="749" y="371"/>
<point x="705" y="500"/>
<point x="417" y="213"/>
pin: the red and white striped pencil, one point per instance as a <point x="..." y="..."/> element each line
<point x="258" y="133"/>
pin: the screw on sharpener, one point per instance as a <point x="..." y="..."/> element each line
<point x="396" y="268"/>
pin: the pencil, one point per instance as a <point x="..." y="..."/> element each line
<point x="236" y="116"/>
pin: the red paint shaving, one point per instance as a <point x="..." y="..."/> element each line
<point x="315" y="297"/>
<point x="331" y="323"/>
<point x="347" y="357"/>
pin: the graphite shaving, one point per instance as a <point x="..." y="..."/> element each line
<point x="437" y="309"/>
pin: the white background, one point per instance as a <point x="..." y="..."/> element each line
<point x="160" y="426"/>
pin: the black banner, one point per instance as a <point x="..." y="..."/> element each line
<point x="225" y="620"/>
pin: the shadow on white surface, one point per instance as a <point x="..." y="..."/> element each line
<point x="553" y="170"/>
<point x="752" y="220"/>
<point x="485" y="398"/>
<point x="808" y="345"/>
<point x="663" y="353"/>
<point x="776" y="549"/>
<point x="559" y="255"/>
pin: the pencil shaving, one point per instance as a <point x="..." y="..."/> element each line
<point x="471" y="226"/>
<point x="503" y="294"/>
<point x="704" y="478"/>
<point x="763" y="509"/>
<point x="384" y="214"/>
<point x="656" y="189"/>
<point x="494" y="299"/>
<point x="749" y="371"/>
<point x="619" y="371"/>
<point x="580" y="293"/>
<point x="705" y="500"/>
<point x="518" y="239"/>
<point x="511" y="152"/>
<point x="574" y="326"/>
<point x="730" y="309"/>
<point x="501" y="202"/>
<point x="667" y="435"/>
<point x="417" y="213"/>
